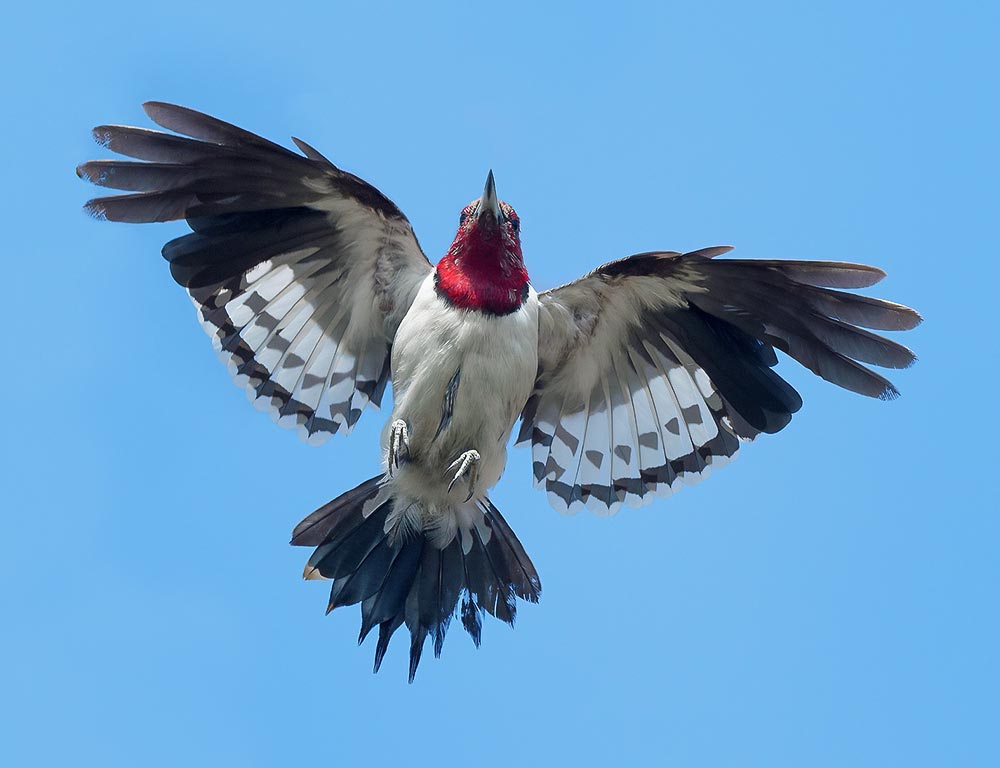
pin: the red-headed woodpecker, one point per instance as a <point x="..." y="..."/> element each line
<point x="630" y="382"/>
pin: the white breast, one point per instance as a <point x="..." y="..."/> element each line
<point x="496" y="357"/>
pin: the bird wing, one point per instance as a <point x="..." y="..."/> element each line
<point x="654" y="368"/>
<point x="301" y="272"/>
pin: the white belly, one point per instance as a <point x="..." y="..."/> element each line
<point x="496" y="359"/>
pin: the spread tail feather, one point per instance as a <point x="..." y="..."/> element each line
<point x="404" y="576"/>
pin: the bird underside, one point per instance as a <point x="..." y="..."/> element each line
<point x="464" y="470"/>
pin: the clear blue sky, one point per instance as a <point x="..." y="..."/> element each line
<point x="829" y="599"/>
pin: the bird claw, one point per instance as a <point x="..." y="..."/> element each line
<point x="466" y="465"/>
<point x="399" y="442"/>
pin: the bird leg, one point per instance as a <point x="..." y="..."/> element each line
<point x="399" y="443"/>
<point x="466" y="465"/>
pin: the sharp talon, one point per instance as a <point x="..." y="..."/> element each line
<point x="466" y="465"/>
<point x="399" y="441"/>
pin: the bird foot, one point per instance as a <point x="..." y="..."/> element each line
<point x="467" y="466"/>
<point x="399" y="444"/>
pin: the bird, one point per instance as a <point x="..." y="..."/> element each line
<point x="629" y="383"/>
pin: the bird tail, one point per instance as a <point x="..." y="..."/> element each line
<point x="402" y="574"/>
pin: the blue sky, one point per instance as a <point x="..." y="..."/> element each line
<point x="829" y="599"/>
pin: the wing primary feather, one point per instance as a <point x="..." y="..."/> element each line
<point x="773" y="304"/>
<point x="822" y="274"/>
<point x="198" y="125"/>
<point x="789" y="334"/>
<point x="156" y="146"/>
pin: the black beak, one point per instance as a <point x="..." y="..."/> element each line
<point x="490" y="203"/>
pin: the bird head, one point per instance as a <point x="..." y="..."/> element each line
<point x="488" y="224"/>
<point x="483" y="269"/>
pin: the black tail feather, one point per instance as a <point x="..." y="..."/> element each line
<point x="389" y="600"/>
<point x="472" y="619"/>
<point x="499" y="592"/>
<point x="450" y="584"/>
<point x="366" y="579"/>
<point x="343" y="554"/>
<point x="385" y="632"/>
<point x="404" y="577"/>
<point x="321" y="524"/>
<point x="416" y="649"/>
<point x="524" y="578"/>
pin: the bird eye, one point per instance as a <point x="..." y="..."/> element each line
<point x="515" y="223"/>
<point x="462" y="218"/>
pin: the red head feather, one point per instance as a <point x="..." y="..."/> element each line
<point x="483" y="269"/>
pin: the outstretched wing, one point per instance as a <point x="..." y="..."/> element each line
<point x="300" y="271"/>
<point x="654" y="368"/>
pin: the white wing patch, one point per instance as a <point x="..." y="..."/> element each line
<point x="288" y="332"/>
<point x="652" y="423"/>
